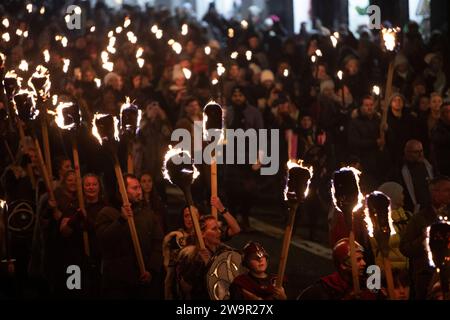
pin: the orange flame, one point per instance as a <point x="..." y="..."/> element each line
<point x="369" y="223"/>
<point x="299" y="164"/>
<point x="360" y="202"/>
<point x="127" y="105"/>
<point x="59" y="118"/>
<point x="389" y="37"/>
<point x="41" y="72"/>
<point x="94" y="131"/>
<point x="171" y="153"/>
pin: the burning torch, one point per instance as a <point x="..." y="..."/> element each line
<point x="40" y="83"/>
<point x="296" y="190"/>
<point x="130" y="117"/>
<point x="347" y="198"/>
<point x="213" y="120"/>
<point x="179" y="170"/>
<point x="390" y="44"/>
<point x="438" y="247"/>
<point x="68" y="117"/>
<point x="105" y="129"/>
<point x="380" y="226"/>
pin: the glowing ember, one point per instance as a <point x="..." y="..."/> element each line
<point x="234" y="55"/>
<point x="59" y="119"/>
<point x="369" y="222"/>
<point x="376" y="90"/>
<point x="299" y="164"/>
<point x="46" y="54"/>
<point x="360" y="201"/>
<point x="184" y="29"/>
<point x="66" y="63"/>
<point x="248" y="55"/>
<point x="286" y="73"/>
<point x="340" y="74"/>
<point x="244" y="24"/>
<point x="23" y="65"/>
<point x="187" y="73"/>
<point x="175" y="152"/>
<point x="207" y="50"/>
<point x="95" y="132"/>
<point x="389" y="38"/>
<point x="220" y="69"/>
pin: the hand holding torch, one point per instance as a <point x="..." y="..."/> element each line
<point x="130" y="117"/>
<point x="68" y="117"/>
<point x="348" y="199"/>
<point x="213" y="120"/>
<point x="438" y="247"/>
<point x="105" y="129"/>
<point x="179" y="170"/>
<point x="380" y="226"/>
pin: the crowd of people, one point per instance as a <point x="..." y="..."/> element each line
<point x="170" y="66"/>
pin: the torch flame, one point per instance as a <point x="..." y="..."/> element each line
<point x="184" y="29"/>
<point x="369" y="222"/>
<point x="64" y="42"/>
<point x="286" y="72"/>
<point x="66" y="64"/>
<point x="41" y="72"/>
<point x="187" y="73"/>
<point x="127" y="105"/>
<point x="2" y="203"/>
<point x="360" y="202"/>
<point x="299" y="164"/>
<point x="46" y="54"/>
<point x="389" y="38"/>
<point x="98" y="82"/>
<point x="59" y="118"/>
<point x="5" y="23"/>
<point x="127" y="22"/>
<point x="6" y="37"/>
<point x="29" y="7"/>
<point x="234" y="55"/>
<point x="244" y="24"/>
<point x="313" y="59"/>
<point x="92" y="29"/>
<point x="230" y="33"/>
<point x="376" y="90"/>
<point x="23" y="65"/>
<point x="340" y="74"/>
<point x="12" y="74"/>
<point x="177" y="47"/>
<point x="427" y="242"/>
<point x="42" y="11"/>
<point x="207" y="50"/>
<point x="119" y="29"/>
<point x="140" y="62"/>
<point x="34" y="111"/>
<point x="318" y="53"/>
<point x="159" y="34"/>
<point x="248" y="55"/>
<point x="139" y="52"/>
<point x="54" y="99"/>
<point x="220" y="69"/>
<point x="94" y="131"/>
<point x="154" y="28"/>
<point x="171" y="153"/>
<point x="334" y="41"/>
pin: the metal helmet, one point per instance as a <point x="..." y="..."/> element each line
<point x="253" y="250"/>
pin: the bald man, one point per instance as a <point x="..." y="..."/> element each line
<point x="416" y="171"/>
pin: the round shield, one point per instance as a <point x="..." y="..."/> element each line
<point x="20" y="217"/>
<point x="224" y="268"/>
